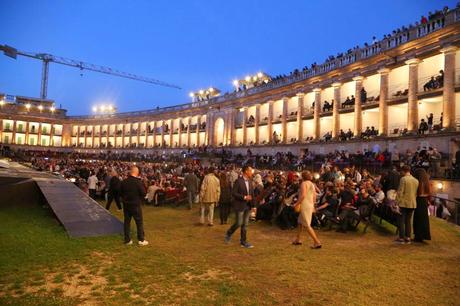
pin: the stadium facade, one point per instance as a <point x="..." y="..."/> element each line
<point x="285" y="113"/>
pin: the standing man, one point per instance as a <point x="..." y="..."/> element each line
<point x="407" y="201"/>
<point x="132" y="191"/>
<point x="243" y="201"/>
<point x="114" y="191"/>
<point x="92" y="184"/>
<point x="192" y="184"/>
<point x="209" y="196"/>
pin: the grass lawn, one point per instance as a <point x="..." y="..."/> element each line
<point x="186" y="264"/>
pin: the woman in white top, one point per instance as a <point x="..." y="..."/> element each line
<point x="307" y="199"/>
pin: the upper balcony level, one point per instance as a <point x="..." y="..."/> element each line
<point x="406" y="34"/>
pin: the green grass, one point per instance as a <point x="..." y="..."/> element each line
<point x="186" y="264"/>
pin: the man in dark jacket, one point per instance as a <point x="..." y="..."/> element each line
<point x="133" y="192"/>
<point x="114" y="191"/>
<point x="242" y="202"/>
<point x="192" y="184"/>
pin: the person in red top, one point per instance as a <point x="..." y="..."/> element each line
<point x="423" y="20"/>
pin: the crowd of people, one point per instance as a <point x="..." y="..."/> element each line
<point x="435" y="82"/>
<point x="433" y="20"/>
<point x="339" y="193"/>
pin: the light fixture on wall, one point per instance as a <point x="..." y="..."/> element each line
<point x="440" y="186"/>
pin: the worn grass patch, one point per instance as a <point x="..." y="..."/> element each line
<point x="190" y="265"/>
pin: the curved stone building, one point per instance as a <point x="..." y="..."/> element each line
<point x="285" y="113"/>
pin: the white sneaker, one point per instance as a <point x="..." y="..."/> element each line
<point x="129" y="243"/>
<point x="145" y="242"/>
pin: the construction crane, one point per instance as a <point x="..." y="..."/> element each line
<point x="49" y="58"/>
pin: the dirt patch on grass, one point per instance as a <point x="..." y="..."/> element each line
<point x="210" y="274"/>
<point x="83" y="284"/>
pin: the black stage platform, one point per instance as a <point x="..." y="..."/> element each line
<point x="80" y="215"/>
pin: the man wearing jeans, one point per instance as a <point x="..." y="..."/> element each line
<point x="243" y="201"/>
<point x="407" y="201"/>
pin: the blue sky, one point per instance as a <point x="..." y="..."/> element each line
<point x="194" y="44"/>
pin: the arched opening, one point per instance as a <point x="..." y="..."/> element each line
<point x="219" y="128"/>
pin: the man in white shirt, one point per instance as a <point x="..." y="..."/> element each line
<point x="92" y="183"/>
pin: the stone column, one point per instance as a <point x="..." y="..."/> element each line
<point x="171" y="131"/>
<point x="316" y="113"/>
<point x="335" y="111"/>
<point x="228" y="128"/>
<point x="154" y="134"/>
<point x="383" y="101"/>
<point x="39" y="137"/>
<point x="93" y="135"/>
<point x="284" y="117"/>
<point x="270" y="122"/>
<point x="106" y="135"/>
<point x="180" y="133"/>
<point x="162" y="133"/>
<point x="52" y="134"/>
<point x="26" y="140"/>
<point x="232" y="127"/>
<point x="13" y="137"/>
<point x="189" y="138"/>
<point x="412" y="103"/>
<point x="78" y="135"/>
<point x="358" y="106"/>
<point x="245" y="127"/>
<point x="198" y="123"/>
<point x="138" y="134"/>
<point x="256" y="125"/>
<point x="300" y="108"/>
<point x="123" y="131"/>
<point x="448" y="90"/>
<point x="210" y="129"/>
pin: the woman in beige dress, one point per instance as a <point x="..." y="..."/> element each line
<point x="307" y="199"/>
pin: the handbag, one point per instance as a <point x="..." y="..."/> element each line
<point x="297" y="208"/>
